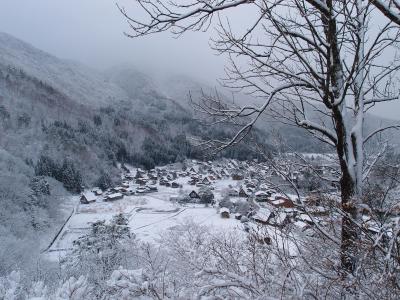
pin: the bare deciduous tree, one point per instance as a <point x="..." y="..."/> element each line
<point x="317" y="64"/>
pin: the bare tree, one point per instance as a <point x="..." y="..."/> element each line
<point x="317" y="64"/>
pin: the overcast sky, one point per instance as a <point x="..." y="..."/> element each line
<point x="91" y="31"/>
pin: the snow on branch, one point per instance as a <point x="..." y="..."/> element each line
<point x="314" y="126"/>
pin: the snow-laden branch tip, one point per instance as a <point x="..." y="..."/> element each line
<point x="317" y="127"/>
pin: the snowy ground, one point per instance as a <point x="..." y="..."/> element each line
<point x="149" y="215"/>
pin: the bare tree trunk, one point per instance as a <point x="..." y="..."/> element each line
<point x="350" y="230"/>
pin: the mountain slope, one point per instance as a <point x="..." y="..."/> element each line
<point x="66" y="111"/>
<point x="84" y="85"/>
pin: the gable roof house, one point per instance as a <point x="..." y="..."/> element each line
<point x="224" y="173"/>
<point x="233" y="192"/>
<point x="206" y="181"/>
<point x="262" y="216"/>
<point x="243" y="193"/>
<point x="88" y="197"/>
<point x="194" y="195"/>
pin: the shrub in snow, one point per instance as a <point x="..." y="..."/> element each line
<point x="243" y="207"/>
<point x="4" y="113"/>
<point x="74" y="289"/>
<point x="10" y="286"/>
<point x="206" y="196"/>
<point x="39" y="186"/>
<point x="38" y="291"/>
<point x="127" y="284"/>
<point x="101" y="251"/>
<point x="104" y="181"/>
<point x="226" y="202"/>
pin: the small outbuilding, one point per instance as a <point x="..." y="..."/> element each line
<point x="175" y="185"/>
<point x="224" y="212"/>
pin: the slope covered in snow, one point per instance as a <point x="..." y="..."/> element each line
<point x="84" y="85"/>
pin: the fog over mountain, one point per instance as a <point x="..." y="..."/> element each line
<point x="92" y="32"/>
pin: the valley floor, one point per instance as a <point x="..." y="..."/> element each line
<point x="149" y="215"/>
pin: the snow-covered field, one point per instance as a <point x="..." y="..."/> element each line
<point x="149" y="215"/>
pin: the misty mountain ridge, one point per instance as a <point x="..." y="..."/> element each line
<point x="64" y="110"/>
<point x="84" y="85"/>
<point x="123" y="104"/>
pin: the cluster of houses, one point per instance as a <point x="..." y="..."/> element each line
<point x="270" y="208"/>
<point x="249" y="178"/>
<point x="248" y="183"/>
<point x="141" y="183"/>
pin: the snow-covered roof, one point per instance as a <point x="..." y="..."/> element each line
<point x="261" y="193"/>
<point x="301" y="224"/>
<point x="305" y="218"/>
<point x="262" y="215"/>
<point x="115" y="195"/>
<point x="224" y="209"/>
<point x="89" y="196"/>
<point x="278" y="202"/>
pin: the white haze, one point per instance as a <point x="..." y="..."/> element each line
<point x="91" y="31"/>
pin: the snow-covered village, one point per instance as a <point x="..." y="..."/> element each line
<point x="228" y="194"/>
<point x="199" y="150"/>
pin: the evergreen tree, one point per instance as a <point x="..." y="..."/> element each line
<point x="45" y="166"/>
<point x="70" y="177"/>
<point x="104" y="181"/>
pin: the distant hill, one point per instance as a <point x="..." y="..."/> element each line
<point x="78" y="82"/>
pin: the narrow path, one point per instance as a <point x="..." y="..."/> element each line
<point x="59" y="232"/>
